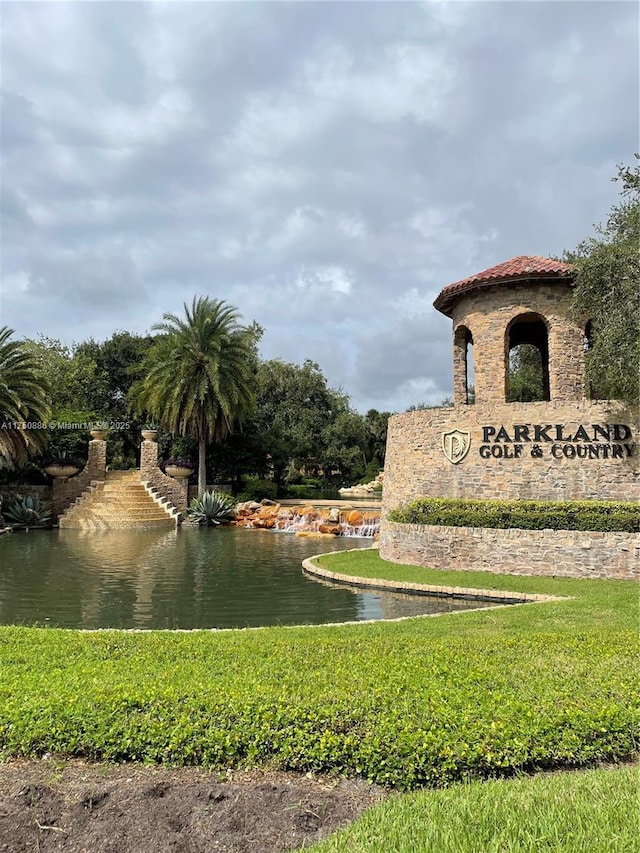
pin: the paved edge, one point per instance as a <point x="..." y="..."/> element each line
<point x="505" y="596"/>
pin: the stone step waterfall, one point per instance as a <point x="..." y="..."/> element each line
<point x="119" y="502"/>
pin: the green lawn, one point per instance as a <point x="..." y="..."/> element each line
<point x="589" y="810"/>
<point x="428" y="701"/>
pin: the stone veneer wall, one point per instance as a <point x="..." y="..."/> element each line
<point x="416" y="466"/>
<point x="487" y="314"/>
<point x="172" y="489"/>
<point x="560" y="553"/>
<point x="64" y="492"/>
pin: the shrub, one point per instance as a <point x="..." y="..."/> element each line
<point x="302" y="491"/>
<point x="29" y="474"/>
<point x="255" y="489"/>
<point x="211" y="508"/>
<point x="526" y="515"/>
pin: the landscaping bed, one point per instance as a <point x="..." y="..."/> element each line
<point x="77" y="807"/>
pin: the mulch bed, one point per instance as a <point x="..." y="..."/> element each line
<point x="78" y="807"/>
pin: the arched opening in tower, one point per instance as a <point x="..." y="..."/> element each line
<point x="527" y="359"/>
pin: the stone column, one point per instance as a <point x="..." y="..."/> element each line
<point x="148" y="459"/>
<point x="167" y="487"/>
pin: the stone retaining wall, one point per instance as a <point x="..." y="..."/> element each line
<point x="560" y="553"/>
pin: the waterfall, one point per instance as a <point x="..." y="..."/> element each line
<point x="334" y="522"/>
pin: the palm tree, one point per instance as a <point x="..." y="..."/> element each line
<point x="23" y="400"/>
<point x="198" y="377"/>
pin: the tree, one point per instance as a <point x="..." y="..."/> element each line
<point x="23" y="400"/>
<point x="526" y="380"/>
<point x="344" y="446"/>
<point x="376" y="424"/>
<point x="294" y="407"/>
<point x="76" y="392"/>
<point x="607" y="294"/>
<point x="198" y="377"/>
<point x="116" y="359"/>
<point x="117" y="363"/>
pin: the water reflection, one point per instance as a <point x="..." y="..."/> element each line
<point x="204" y="578"/>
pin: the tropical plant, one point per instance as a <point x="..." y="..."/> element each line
<point x="198" y="377"/>
<point x="27" y="512"/>
<point x="23" y="401"/>
<point x="211" y="508"/>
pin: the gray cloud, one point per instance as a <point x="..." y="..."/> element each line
<point x="325" y="167"/>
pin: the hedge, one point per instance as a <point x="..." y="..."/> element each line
<point x="527" y="515"/>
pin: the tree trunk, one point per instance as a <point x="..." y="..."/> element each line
<point x="202" y="465"/>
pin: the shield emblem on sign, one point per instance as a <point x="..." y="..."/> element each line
<point x="455" y="445"/>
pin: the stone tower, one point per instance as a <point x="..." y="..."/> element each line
<point x="525" y="300"/>
<point x="561" y="447"/>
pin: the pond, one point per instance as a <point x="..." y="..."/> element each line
<point x="191" y="578"/>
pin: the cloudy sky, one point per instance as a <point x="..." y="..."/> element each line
<point x="325" y="167"/>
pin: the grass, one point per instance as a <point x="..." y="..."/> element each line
<point x="594" y="810"/>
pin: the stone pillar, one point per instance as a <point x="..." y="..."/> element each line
<point x="167" y="487"/>
<point x="566" y="360"/>
<point x="462" y="339"/>
<point x="148" y="459"/>
<point x="97" y="460"/>
<point x="64" y="492"/>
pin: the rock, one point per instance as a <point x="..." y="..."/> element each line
<point x="329" y="528"/>
<point x="355" y="518"/>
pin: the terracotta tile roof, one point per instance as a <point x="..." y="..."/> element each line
<point x="523" y="267"/>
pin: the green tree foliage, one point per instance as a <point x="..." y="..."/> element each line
<point x="88" y="382"/>
<point x="23" y="400"/>
<point x="344" y="450"/>
<point x="607" y="293"/>
<point x="294" y="405"/>
<point x="302" y="427"/>
<point x="119" y="360"/>
<point x="72" y="376"/>
<point x="376" y="424"/>
<point x="198" y="378"/>
<point x="526" y="384"/>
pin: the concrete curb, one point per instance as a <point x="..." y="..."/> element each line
<point x="504" y="596"/>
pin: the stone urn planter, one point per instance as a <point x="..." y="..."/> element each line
<point x="178" y="472"/>
<point x="150" y="434"/>
<point x="98" y="434"/>
<point x="62" y="470"/>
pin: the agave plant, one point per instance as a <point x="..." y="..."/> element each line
<point x="211" y="508"/>
<point x="27" y="512"/>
